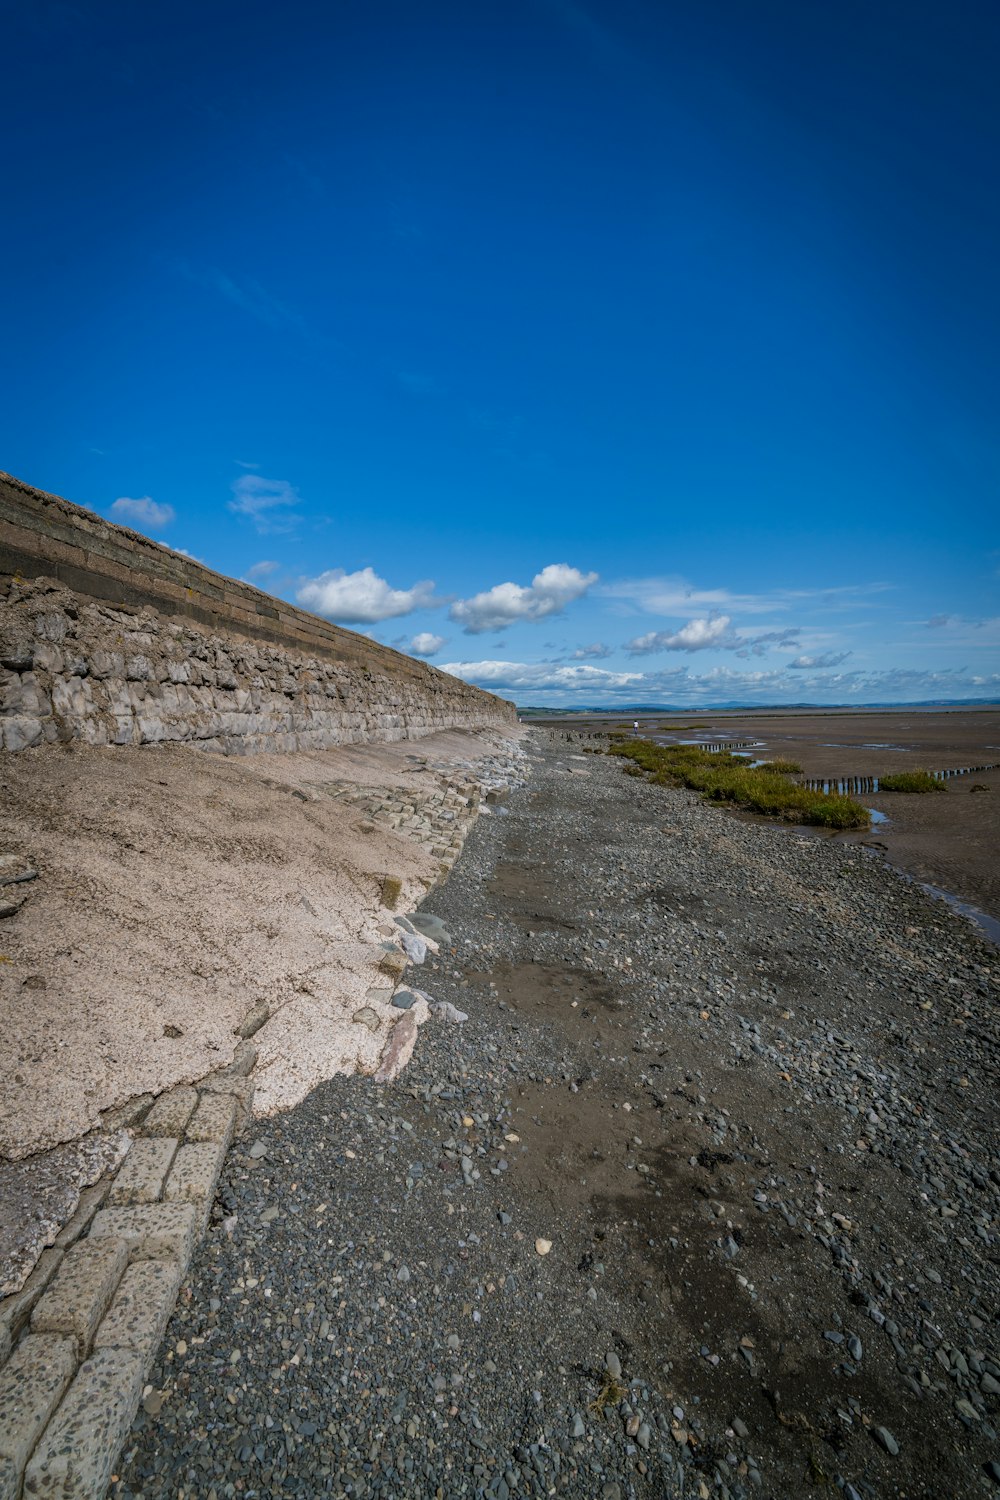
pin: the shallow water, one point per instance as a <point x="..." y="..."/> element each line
<point x="988" y="926"/>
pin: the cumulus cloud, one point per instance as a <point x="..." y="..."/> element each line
<point x="515" y="674"/>
<point x="560" y="683"/>
<point x="426" y="644"/>
<point x="256" y="497"/>
<point x="507" y="603"/>
<point x="820" y="663"/>
<point x="696" y="635"/>
<point x="142" y="512"/>
<point x="596" y="651"/>
<point x="261" y="570"/>
<point x="362" y="597"/>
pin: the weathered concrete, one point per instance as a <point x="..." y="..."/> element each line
<point x="110" y="639"/>
<point x="78" y="1297"/>
<point x="31" y="1386"/>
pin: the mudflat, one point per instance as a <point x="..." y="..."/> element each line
<point x="948" y="839"/>
<point x="700" y="1200"/>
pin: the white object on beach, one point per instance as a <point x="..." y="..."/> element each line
<point x="449" y="1012"/>
<point x="414" y="946"/>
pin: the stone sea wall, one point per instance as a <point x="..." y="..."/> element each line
<point x="110" y="639"/>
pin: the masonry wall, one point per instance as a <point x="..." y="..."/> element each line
<point x="108" y="638"/>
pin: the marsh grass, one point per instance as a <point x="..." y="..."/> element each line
<point x="721" y="777"/>
<point x="783" y="767"/>
<point x="910" y="781"/>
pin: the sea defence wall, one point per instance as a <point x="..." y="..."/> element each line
<point x="111" y="639"/>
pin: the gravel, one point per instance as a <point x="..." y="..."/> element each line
<point x="741" y="1081"/>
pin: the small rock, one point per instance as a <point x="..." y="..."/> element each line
<point x="885" y="1440"/>
<point x="449" y="1012"/>
<point x="543" y="1246"/>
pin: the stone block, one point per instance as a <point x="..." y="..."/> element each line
<point x="171" y="1112"/>
<point x="239" y="1089"/>
<point x="140" y="1309"/>
<point x="213" y="1120"/>
<point x="126" y="1116"/>
<point x="143" y="1172"/>
<point x="31" y="1387"/>
<point x="194" y="1175"/>
<point x="392" y="964"/>
<point x="152" y="1231"/>
<point x="15" y="1310"/>
<point x="78" y="1296"/>
<point x="77" y="1452"/>
<point x="90" y="1201"/>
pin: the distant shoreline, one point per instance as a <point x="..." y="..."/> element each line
<point x="947" y="839"/>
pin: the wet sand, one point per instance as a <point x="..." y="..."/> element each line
<point x="947" y="839"/>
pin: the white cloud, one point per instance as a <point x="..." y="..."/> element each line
<point x="255" y="497"/>
<point x="561" y="684"/>
<point x="819" y="663"/>
<point x="261" y="570"/>
<point x="514" y="674"/>
<point x="142" y="512"/>
<point x="596" y="651"/>
<point x="426" y="644"/>
<point x="696" y="635"/>
<point x="548" y="594"/>
<point x="362" y="597"/>
<point x="675" y="596"/>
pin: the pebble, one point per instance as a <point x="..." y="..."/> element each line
<point x="476" y="1376"/>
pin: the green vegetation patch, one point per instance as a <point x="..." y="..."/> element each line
<point x="721" y="777"/>
<point x="783" y="767"/>
<point x="911" y="781"/>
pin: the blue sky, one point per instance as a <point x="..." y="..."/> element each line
<point x="599" y="352"/>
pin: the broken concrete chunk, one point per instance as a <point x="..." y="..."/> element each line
<point x="366" y="1016"/>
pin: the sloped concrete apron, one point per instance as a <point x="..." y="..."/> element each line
<point x="78" y="1340"/>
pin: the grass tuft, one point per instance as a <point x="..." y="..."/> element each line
<point x="910" y="781"/>
<point x="783" y="767"/>
<point x="721" y="777"/>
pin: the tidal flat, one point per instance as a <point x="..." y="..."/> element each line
<point x="949" y="841"/>
<point x="700" y="1200"/>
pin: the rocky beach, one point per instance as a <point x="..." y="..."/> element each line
<point x="699" y="1199"/>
